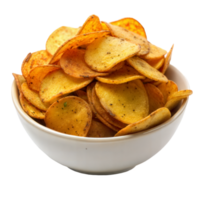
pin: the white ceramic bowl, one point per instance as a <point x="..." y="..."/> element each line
<point x="103" y="155"/>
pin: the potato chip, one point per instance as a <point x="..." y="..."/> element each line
<point x="145" y="69"/>
<point x="98" y="129"/>
<point x="32" y="97"/>
<point x="70" y="115"/>
<point x="157" y="64"/>
<point x="73" y="64"/>
<point x="167" y="60"/>
<point x="36" y="75"/>
<point x="155" y="53"/>
<point x="58" y="83"/>
<point x="34" y="59"/>
<point x="123" y="75"/>
<point x="30" y="109"/>
<point x="103" y="54"/>
<point x="174" y="99"/>
<point x="131" y="37"/>
<point x="116" y="67"/>
<point x="76" y="42"/>
<point x="59" y="37"/>
<point x="168" y="89"/>
<point x="157" y="117"/>
<point x="19" y="79"/>
<point x="92" y="24"/>
<point x="101" y="111"/>
<point x="104" y="26"/>
<point x="131" y="25"/>
<point x="156" y="99"/>
<point x="89" y="95"/>
<point x="127" y="102"/>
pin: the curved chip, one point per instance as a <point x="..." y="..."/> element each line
<point x="76" y="42"/>
<point x="155" y="53"/>
<point x="131" y="25"/>
<point x="73" y="64"/>
<point x="59" y="37"/>
<point x="34" y="59"/>
<point x="123" y="75"/>
<point x="157" y="117"/>
<point x="36" y="75"/>
<point x="176" y="97"/>
<point x="157" y="64"/>
<point x="19" y="79"/>
<point x="127" y="102"/>
<point x="104" y="26"/>
<point x="70" y="115"/>
<point x="30" y="109"/>
<point x="145" y="69"/>
<point x="32" y="97"/>
<point x="103" y="54"/>
<point x="58" y="83"/>
<point x="131" y="37"/>
<point x="102" y="112"/>
<point x="156" y="99"/>
<point x="168" y="89"/>
<point x="167" y="60"/>
<point x="92" y="24"/>
<point x="89" y="95"/>
<point x="98" y="129"/>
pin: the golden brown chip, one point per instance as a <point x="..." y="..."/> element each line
<point x="156" y="99"/>
<point x="131" y="37"/>
<point x="167" y="60"/>
<point x="36" y="75"/>
<point x="155" y="53"/>
<point x="102" y="112"/>
<point x="174" y="99"/>
<point x="32" y="97"/>
<point x="131" y="25"/>
<point x="98" y="129"/>
<point x="168" y="89"/>
<point x="103" y="54"/>
<point x="76" y="42"/>
<point x="34" y="59"/>
<point x="92" y="24"/>
<point x="145" y="69"/>
<point x="157" y="117"/>
<point x="89" y="95"/>
<point x="73" y="64"/>
<point x="127" y="102"/>
<point x="70" y="115"/>
<point x="157" y="64"/>
<point x="19" y="79"/>
<point x="58" y="83"/>
<point x="30" y="109"/>
<point x="59" y="37"/>
<point x="123" y="75"/>
<point x="104" y="26"/>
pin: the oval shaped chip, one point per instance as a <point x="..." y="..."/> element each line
<point x="73" y="64"/>
<point x="70" y="115"/>
<point x="145" y="69"/>
<point x="103" y="54"/>
<point x="157" y="117"/>
<point x="131" y="37"/>
<point x="19" y="79"/>
<point x="92" y="24"/>
<point x="127" y="102"/>
<point x="123" y="75"/>
<point x="33" y="97"/>
<point x="59" y="37"/>
<point x="30" y="109"/>
<point x="58" y="83"/>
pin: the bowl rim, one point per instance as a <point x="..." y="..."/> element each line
<point x="28" y="119"/>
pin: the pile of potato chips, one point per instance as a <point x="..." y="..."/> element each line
<point x="100" y="80"/>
